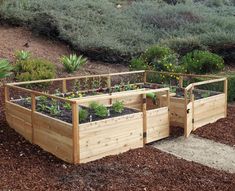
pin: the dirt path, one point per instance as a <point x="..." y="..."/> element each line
<point x="13" y="39"/>
<point x="203" y="151"/>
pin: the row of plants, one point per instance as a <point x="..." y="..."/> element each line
<point x="63" y="111"/>
<point x="164" y="59"/>
<point x="27" y="68"/>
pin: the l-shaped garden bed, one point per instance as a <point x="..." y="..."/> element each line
<point x="80" y="119"/>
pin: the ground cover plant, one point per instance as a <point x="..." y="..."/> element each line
<point x="106" y="32"/>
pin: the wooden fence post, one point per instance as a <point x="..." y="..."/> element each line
<point x="144" y="107"/>
<point x="64" y="86"/>
<point x="192" y="98"/>
<point x="181" y="80"/>
<point x="6" y="92"/>
<point x="145" y="76"/>
<point x="75" y="137"/>
<point x="185" y="112"/>
<point x="33" y="109"/>
<point x="226" y="96"/>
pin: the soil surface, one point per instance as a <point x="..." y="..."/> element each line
<point x="222" y="131"/>
<point x="13" y="39"/>
<point x="24" y="166"/>
<point x="200" y="150"/>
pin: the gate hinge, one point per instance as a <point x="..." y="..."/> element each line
<point x="192" y="120"/>
<point x="188" y="110"/>
<point x="144" y="100"/>
<point x="145" y="134"/>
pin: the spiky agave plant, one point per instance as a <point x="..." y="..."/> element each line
<point x="73" y="62"/>
<point x="5" y="68"/>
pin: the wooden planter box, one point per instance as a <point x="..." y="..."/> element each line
<point x="81" y="143"/>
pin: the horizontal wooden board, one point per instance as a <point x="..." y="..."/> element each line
<point x="209" y="110"/>
<point x="53" y="136"/>
<point x="110" y="136"/>
<point x="19" y="118"/>
<point x="158" y="126"/>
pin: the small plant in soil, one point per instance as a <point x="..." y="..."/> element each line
<point x="42" y="107"/>
<point x="54" y="109"/>
<point x="93" y="105"/>
<point x="83" y="115"/>
<point x="152" y="96"/>
<point x="67" y="106"/>
<point x="118" y="106"/>
<point x="5" y="68"/>
<point x="101" y="111"/>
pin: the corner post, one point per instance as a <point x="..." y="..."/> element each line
<point x="75" y="133"/>
<point x="144" y="107"/>
<point x="6" y="92"/>
<point x="185" y="113"/>
<point x="226" y="96"/>
<point x="33" y="109"/>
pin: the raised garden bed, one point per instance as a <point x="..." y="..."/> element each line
<point x="55" y="121"/>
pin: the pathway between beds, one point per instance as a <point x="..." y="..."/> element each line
<point x="200" y="150"/>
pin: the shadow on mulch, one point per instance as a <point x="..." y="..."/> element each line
<point x="25" y="166"/>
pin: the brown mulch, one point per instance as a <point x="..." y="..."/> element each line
<point x="25" y="166"/>
<point x="13" y="39"/>
<point x="222" y="131"/>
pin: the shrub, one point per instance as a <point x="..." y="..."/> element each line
<point x="118" y="106"/>
<point x="83" y="114"/>
<point x="106" y="33"/>
<point x="202" y="62"/>
<point x="158" y="58"/>
<point x="138" y="64"/>
<point x="34" y="69"/>
<point x="5" y="68"/>
<point x="22" y="55"/>
<point x="73" y="62"/>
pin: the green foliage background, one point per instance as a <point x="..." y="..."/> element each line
<point x="108" y="33"/>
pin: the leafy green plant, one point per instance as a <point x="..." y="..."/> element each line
<point x="5" y="68"/>
<point x="93" y="105"/>
<point x="83" y="114"/>
<point x="54" y="109"/>
<point x="34" y="69"/>
<point x="101" y="111"/>
<point x="118" y="106"/>
<point x="42" y="107"/>
<point x="138" y="64"/>
<point x="73" y="62"/>
<point x="152" y="96"/>
<point x="22" y="55"/>
<point x="67" y="106"/>
<point x="202" y="62"/>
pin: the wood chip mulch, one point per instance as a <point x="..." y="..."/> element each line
<point x="222" y="131"/>
<point x="24" y="166"/>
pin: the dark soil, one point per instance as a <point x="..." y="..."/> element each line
<point x="222" y="131"/>
<point x="24" y="166"/>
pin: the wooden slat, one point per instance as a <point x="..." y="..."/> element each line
<point x="75" y="116"/>
<point x="53" y="136"/>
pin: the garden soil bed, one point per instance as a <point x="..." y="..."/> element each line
<point x="222" y="131"/>
<point x="24" y="166"/>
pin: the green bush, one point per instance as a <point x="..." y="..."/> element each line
<point x="157" y="58"/>
<point x="83" y="114"/>
<point x="93" y="105"/>
<point x="73" y="62"/>
<point x="202" y="62"/>
<point x="100" y="110"/>
<point x="118" y="106"/>
<point x="104" y="32"/>
<point x="5" y="68"/>
<point x="34" y="69"/>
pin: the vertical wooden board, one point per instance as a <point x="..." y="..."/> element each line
<point x="110" y="136"/>
<point x="50" y="135"/>
<point x="189" y="126"/>
<point x="158" y="126"/>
